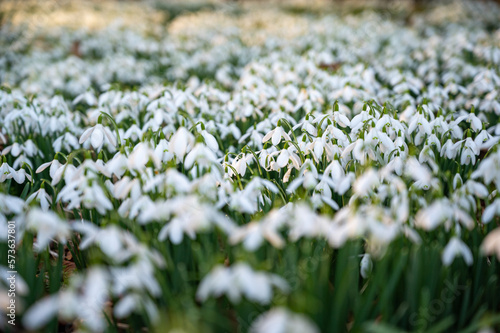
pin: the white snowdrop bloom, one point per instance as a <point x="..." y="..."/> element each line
<point x="98" y="135"/>
<point x="84" y="299"/>
<point x="362" y="151"/>
<point x="88" y="97"/>
<point x="485" y="140"/>
<point x="450" y="149"/>
<point x="240" y="280"/>
<point x="201" y="156"/>
<point x="476" y="188"/>
<point x="253" y="138"/>
<point x="11" y="204"/>
<point x="345" y="184"/>
<point x="395" y="165"/>
<point x="118" y="165"/>
<point x="430" y="217"/>
<point x="133" y="208"/>
<point x="474" y="121"/>
<point x="47" y="226"/>
<point x="456" y="247"/>
<point x="491" y="243"/>
<point x="467" y="157"/>
<point x="210" y="140"/>
<point x="247" y="201"/>
<point x="134" y="133"/>
<point x="457" y="181"/>
<point x="141" y="155"/>
<point x="254" y="233"/>
<point x="341" y="119"/>
<point x="366" y="182"/>
<point x="187" y="216"/>
<point x="375" y="137"/>
<point x="67" y="142"/>
<point x="307" y="126"/>
<point x="94" y="197"/>
<point x="316" y="226"/>
<point x="420" y="173"/>
<point x="335" y="132"/>
<point x="489" y="169"/>
<point x="240" y="164"/>
<point x="7" y="172"/>
<point x="365" y="266"/>
<point x="42" y="197"/>
<point x="28" y="149"/>
<point x="281" y="320"/>
<point x="162" y="151"/>
<point x="276" y="135"/>
<point x="54" y="166"/>
<point x="491" y="210"/>
<point x="181" y="142"/>
<point x="136" y="303"/>
<point x="138" y="276"/>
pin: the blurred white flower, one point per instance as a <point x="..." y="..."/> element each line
<point x="456" y="247"/>
<point x="240" y="280"/>
<point x="47" y="226"/>
<point x="281" y="320"/>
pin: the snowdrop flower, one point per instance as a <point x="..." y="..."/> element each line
<point x="281" y="320"/>
<point x="54" y="166"/>
<point x="202" y="156"/>
<point x="85" y="299"/>
<point x="240" y="164"/>
<point x="287" y="155"/>
<point x="255" y="232"/>
<point x="67" y="142"/>
<point x="474" y="121"/>
<point x="162" y="151"/>
<point x="210" y="140"/>
<point x="316" y="226"/>
<point x="492" y="210"/>
<point x="276" y="135"/>
<point x="47" y="226"/>
<point x="240" y="280"/>
<point x="10" y="204"/>
<point x="136" y="303"/>
<point x="181" y="142"/>
<point x="366" y="265"/>
<point x="97" y="136"/>
<point x="491" y="243"/>
<point x="456" y="247"/>
<point x="430" y="217"/>
<point x="365" y="183"/>
<point x="189" y="216"/>
<point x="254" y="138"/>
<point x="7" y="172"/>
<point x="133" y="132"/>
<point x="42" y="197"/>
<point x="450" y="149"/>
<point x="141" y="155"/>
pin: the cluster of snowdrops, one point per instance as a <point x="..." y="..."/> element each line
<point x="183" y="175"/>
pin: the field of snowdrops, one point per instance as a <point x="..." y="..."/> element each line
<point x="253" y="170"/>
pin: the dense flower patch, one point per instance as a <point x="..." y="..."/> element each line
<point x="340" y="177"/>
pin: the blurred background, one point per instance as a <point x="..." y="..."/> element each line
<point x="94" y="14"/>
